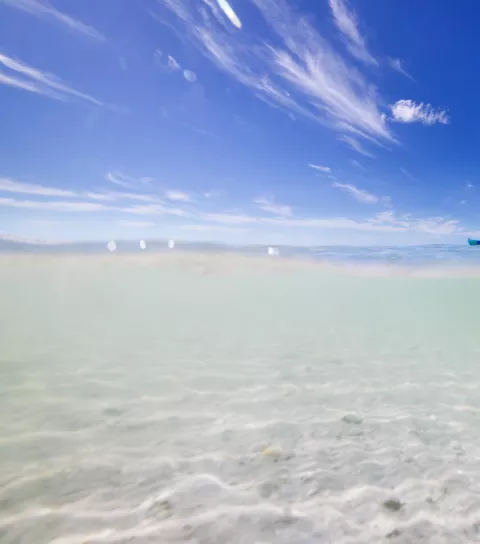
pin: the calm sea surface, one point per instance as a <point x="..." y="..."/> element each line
<point x="226" y="398"/>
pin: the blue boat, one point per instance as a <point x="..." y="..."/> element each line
<point x="473" y="242"/>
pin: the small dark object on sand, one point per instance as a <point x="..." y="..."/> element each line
<point x="352" y="418"/>
<point x="393" y="504"/>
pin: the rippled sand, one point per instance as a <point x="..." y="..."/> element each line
<point x="220" y="399"/>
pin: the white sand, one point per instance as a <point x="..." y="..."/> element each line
<point x="236" y="405"/>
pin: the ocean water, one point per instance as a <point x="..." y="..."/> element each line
<point x="227" y="398"/>
<point x="434" y="254"/>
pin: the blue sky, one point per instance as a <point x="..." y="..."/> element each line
<point x="252" y="121"/>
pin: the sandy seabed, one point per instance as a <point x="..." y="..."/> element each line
<point x="214" y="398"/>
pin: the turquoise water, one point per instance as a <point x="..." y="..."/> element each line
<point x="224" y="398"/>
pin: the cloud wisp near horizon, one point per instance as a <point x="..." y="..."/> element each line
<point x="274" y="214"/>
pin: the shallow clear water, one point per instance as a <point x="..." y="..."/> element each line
<point x="218" y="400"/>
<point x="437" y="254"/>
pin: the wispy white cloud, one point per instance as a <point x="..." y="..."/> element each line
<point x="136" y="224"/>
<point x="110" y="196"/>
<point x="340" y="223"/>
<point x="158" y="59"/>
<point x="173" y="64"/>
<point x="356" y="146"/>
<point x="35" y="81"/>
<point x="127" y="182"/>
<point x="324" y="169"/>
<point x="211" y="194"/>
<point x="16" y="187"/>
<point x="382" y="222"/>
<point x="470" y="185"/>
<point x="82" y="206"/>
<point x="408" y="111"/>
<point x="397" y="64"/>
<point x="438" y="225"/>
<point x="430" y="225"/>
<point x="357" y="164"/>
<point x="154" y="209"/>
<point x="209" y="228"/>
<point x="230" y="219"/>
<point x="26" y="240"/>
<point x="358" y="194"/>
<point x="390" y="217"/>
<point x="347" y="23"/>
<point x="59" y="206"/>
<point x="178" y="196"/>
<point x="387" y="221"/>
<point x="43" y="9"/>
<point x="270" y="206"/>
<point x="134" y="196"/>
<point x="11" y="81"/>
<point x="165" y="62"/>
<point x="406" y="173"/>
<point x="103" y="197"/>
<point x="298" y="72"/>
<point x="11" y="186"/>
<point x="118" y="179"/>
<point x="335" y="223"/>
